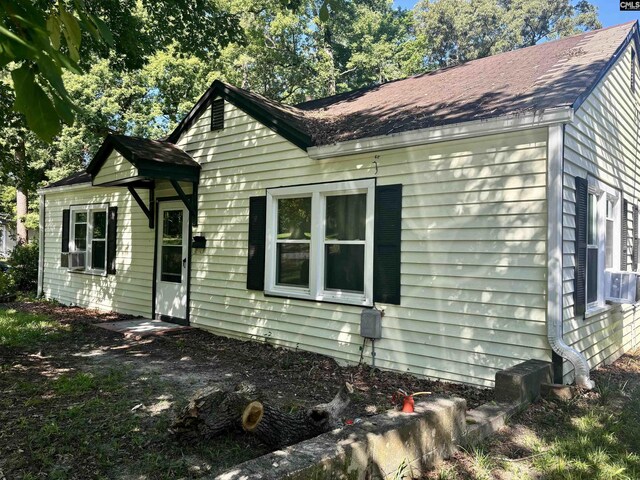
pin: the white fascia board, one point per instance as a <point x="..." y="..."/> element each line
<point x="65" y="188"/>
<point x="456" y="131"/>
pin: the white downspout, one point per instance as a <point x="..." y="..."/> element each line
<point x="555" y="172"/>
<point x="41" y="246"/>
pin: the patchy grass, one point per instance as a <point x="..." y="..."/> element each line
<point x="20" y="329"/>
<point x="80" y="402"/>
<point x="592" y="437"/>
<point x="88" y="426"/>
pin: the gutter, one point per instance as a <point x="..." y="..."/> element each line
<point x="555" y="171"/>
<point x="457" y="131"/>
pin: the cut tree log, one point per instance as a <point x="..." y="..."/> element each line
<point x="277" y="429"/>
<point x="213" y="411"/>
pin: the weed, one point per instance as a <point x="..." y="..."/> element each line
<point x="73" y="385"/>
<point x="18" y="329"/>
<point x="401" y="471"/>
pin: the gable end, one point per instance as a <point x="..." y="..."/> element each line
<point x="252" y="108"/>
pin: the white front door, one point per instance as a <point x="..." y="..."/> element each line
<point x="172" y="263"/>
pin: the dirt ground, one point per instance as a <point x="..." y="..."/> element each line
<point x="150" y="380"/>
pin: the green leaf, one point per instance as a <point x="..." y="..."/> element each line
<point x="72" y="33"/>
<point x="33" y="102"/>
<point x="53" y="27"/>
<point x="324" y="12"/>
<point x="64" y="109"/>
<point x="105" y="33"/>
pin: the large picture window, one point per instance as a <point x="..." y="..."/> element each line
<point x="88" y="239"/>
<point x="320" y="242"/>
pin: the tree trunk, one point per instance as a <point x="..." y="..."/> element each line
<point x="278" y="429"/>
<point x="328" y="48"/>
<point x="213" y="411"/>
<point x="22" y="203"/>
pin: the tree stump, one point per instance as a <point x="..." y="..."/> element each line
<point x="278" y="429"/>
<point x="213" y="411"/>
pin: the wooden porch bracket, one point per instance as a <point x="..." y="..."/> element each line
<point x="148" y="211"/>
<point x="190" y="203"/>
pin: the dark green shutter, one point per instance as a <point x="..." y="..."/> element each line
<point x="386" y="244"/>
<point x="111" y="240"/>
<point x="636" y="239"/>
<point x="580" y="275"/>
<point x="624" y="237"/>
<point x="64" y="257"/>
<point x="257" y="239"/>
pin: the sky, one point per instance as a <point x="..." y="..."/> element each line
<point x="608" y="11"/>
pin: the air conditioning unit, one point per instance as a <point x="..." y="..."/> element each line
<point x="77" y="260"/>
<point x="621" y="287"/>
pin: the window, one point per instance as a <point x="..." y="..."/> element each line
<point x="320" y="242"/>
<point x="603" y="239"/>
<point x="88" y="242"/>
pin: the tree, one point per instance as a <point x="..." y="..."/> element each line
<point x="449" y="32"/>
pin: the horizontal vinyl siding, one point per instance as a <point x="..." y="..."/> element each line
<point x="129" y="290"/>
<point x="602" y="142"/>
<point x="473" y="249"/>
<point x="116" y="167"/>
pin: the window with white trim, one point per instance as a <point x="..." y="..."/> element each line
<point x="320" y="242"/>
<point x="88" y="238"/>
<point x="603" y="239"/>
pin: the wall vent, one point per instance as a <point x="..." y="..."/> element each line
<point x="217" y="114"/>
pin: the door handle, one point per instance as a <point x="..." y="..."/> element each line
<point x="184" y="263"/>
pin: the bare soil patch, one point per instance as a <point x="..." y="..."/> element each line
<point x="88" y="403"/>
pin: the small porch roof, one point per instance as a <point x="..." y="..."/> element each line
<point x="152" y="160"/>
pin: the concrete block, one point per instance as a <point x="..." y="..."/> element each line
<point x="521" y="383"/>
<point x="487" y="419"/>
<point x="381" y="447"/>
<point x="554" y="391"/>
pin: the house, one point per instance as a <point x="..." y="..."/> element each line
<point x="487" y="209"/>
<point x="8" y="236"/>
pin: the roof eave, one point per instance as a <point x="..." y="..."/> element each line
<point x="250" y="107"/>
<point x="457" y="131"/>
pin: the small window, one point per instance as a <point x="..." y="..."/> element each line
<point x="88" y="245"/>
<point x="217" y="114"/>
<point x="320" y="242"/>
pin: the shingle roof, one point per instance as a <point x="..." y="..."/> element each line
<point x="73" y="179"/>
<point x="137" y="149"/>
<point x="549" y="75"/>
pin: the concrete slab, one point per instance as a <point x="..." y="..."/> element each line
<point x="142" y="327"/>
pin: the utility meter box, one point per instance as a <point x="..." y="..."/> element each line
<point x="371" y="323"/>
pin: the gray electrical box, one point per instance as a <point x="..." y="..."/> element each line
<point x="371" y="323"/>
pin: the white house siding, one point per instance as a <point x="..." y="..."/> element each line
<point x="116" y="167"/>
<point x="473" y="249"/>
<point x="601" y="142"/>
<point x="129" y="290"/>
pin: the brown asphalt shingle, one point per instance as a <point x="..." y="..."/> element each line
<point x="552" y="74"/>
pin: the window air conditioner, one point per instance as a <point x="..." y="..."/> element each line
<point x="620" y="287"/>
<point x="76" y="260"/>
